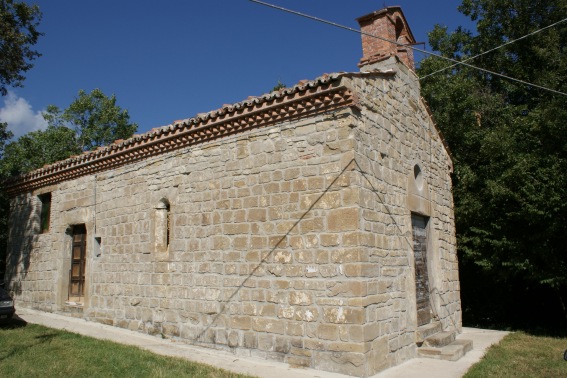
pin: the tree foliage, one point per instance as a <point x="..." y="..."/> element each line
<point x="5" y="135"/>
<point x="18" y="34"/>
<point x="508" y="140"/>
<point x="92" y="120"/>
<point x="38" y="148"/>
<point x="96" y="119"/>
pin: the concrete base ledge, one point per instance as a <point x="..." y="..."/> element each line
<point x="418" y="367"/>
<point x="167" y="347"/>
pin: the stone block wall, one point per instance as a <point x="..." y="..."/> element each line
<point x="289" y="242"/>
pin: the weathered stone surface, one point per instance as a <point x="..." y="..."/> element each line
<point x="328" y="331"/>
<point x="342" y="315"/>
<point x="343" y="219"/>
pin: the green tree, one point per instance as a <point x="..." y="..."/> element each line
<point x="38" y="148"/>
<point x="95" y="118"/>
<point x="509" y="144"/>
<point x="5" y="135"/>
<point x="18" y="34"/>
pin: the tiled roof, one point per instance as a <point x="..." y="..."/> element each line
<point x="303" y="99"/>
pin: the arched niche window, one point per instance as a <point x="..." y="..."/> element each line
<point x="399" y="28"/>
<point x="162" y="225"/>
<point x="418" y="177"/>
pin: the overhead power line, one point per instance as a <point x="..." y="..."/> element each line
<point x="406" y="46"/>
<point x="496" y="48"/>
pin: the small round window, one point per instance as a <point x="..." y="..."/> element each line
<point x="418" y="176"/>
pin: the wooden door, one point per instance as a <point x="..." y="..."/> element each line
<point x="78" y="263"/>
<point x="419" y="231"/>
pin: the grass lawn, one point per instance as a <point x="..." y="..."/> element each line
<point x="30" y="350"/>
<point x="523" y="355"/>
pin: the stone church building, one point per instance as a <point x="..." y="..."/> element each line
<point x="312" y="225"/>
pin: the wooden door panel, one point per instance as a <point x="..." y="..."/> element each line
<point x="77" y="251"/>
<point x="78" y="262"/>
<point x="75" y="271"/>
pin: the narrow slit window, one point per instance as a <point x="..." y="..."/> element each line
<point x="168" y="226"/>
<point x="162" y="226"/>
<point x="45" y="215"/>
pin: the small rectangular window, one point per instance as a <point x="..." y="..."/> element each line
<point x="45" y="212"/>
<point x="97" y="246"/>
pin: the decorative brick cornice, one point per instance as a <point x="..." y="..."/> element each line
<point x="304" y="99"/>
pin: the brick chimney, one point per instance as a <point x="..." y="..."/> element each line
<point x="389" y="23"/>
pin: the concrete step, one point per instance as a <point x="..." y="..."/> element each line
<point x="450" y="352"/>
<point x="440" y="339"/>
<point x="425" y="331"/>
<point x="73" y="309"/>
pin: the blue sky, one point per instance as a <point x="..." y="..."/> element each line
<point x="172" y="59"/>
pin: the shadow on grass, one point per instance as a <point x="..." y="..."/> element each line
<point x="21" y="343"/>
<point x="47" y="338"/>
<point x="14" y="323"/>
<point x="546" y="332"/>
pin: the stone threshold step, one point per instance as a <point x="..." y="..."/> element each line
<point x="451" y="352"/>
<point x="440" y="339"/>
<point x="73" y="309"/>
<point x="73" y="304"/>
<point x="427" y="330"/>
